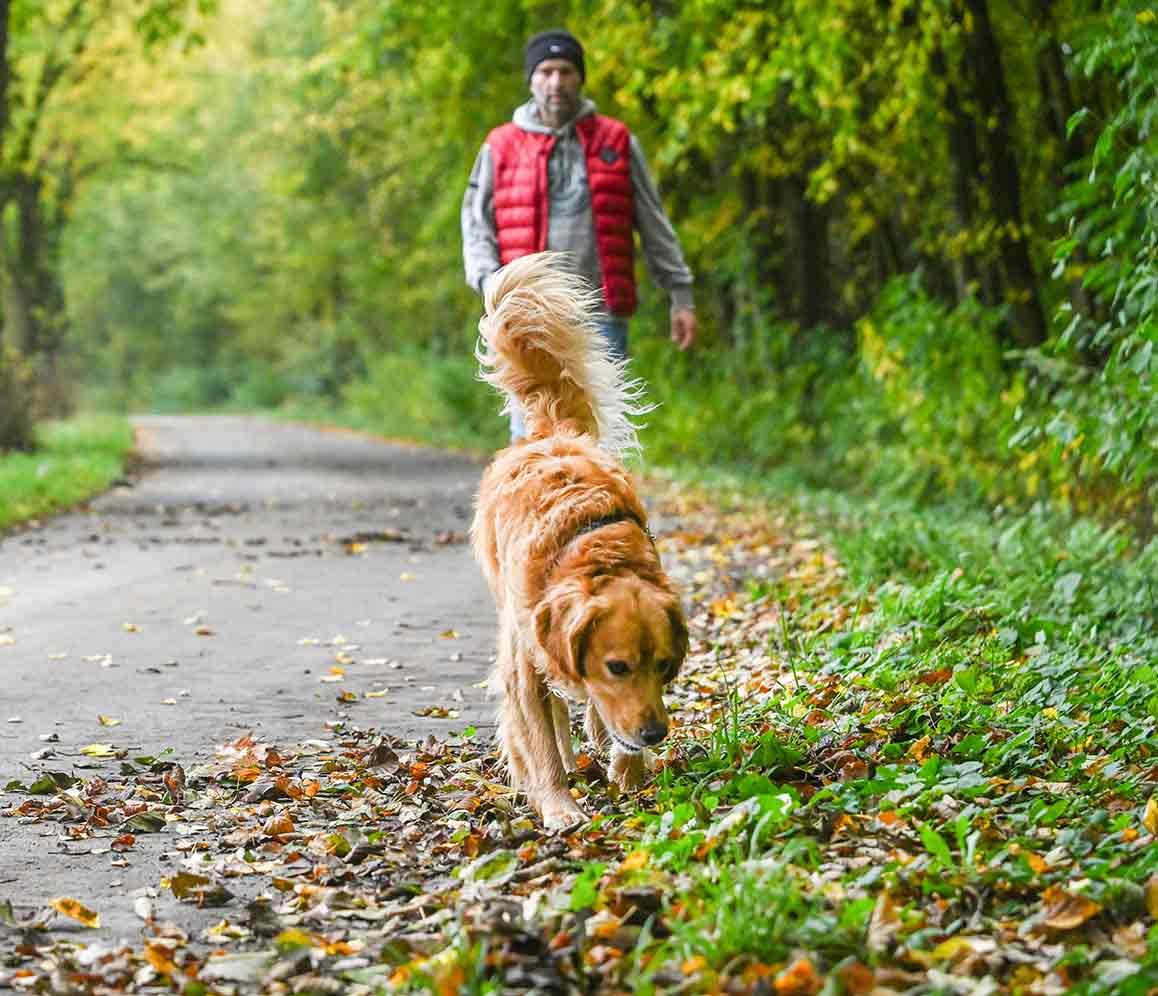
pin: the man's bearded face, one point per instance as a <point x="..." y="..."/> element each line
<point x="555" y="85"/>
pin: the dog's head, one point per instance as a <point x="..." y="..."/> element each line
<point x="617" y="643"/>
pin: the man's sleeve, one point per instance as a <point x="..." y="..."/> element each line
<point x="480" y="241"/>
<point x="661" y="248"/>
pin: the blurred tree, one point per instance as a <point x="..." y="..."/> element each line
<point x="46" y="51"/>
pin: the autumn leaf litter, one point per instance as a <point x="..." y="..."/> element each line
<point x="358" y="861"/>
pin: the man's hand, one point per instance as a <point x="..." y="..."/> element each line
<point x="683" y="328"/>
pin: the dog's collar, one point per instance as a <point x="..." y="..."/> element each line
<point x="602" y="522"/>
<point x="610" y="520"/>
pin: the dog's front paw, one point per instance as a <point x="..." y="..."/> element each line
<point x="561" y="813"/>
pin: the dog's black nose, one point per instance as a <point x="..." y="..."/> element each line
<point x="653" y="733"/>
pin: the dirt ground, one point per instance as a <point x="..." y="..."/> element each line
<point x="256" y="576"/>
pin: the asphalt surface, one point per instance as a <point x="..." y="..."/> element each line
<point x="211" y="596"/>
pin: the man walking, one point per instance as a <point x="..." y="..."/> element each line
<point x="560" y="176"/>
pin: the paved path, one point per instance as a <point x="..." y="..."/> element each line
<point x="212" y="597"/>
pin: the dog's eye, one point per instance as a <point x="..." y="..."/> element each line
<point x="618" y="667"/>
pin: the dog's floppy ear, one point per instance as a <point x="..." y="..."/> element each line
<point x="563" y="624"/>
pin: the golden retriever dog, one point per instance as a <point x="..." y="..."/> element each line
<point x="586" y="612"/>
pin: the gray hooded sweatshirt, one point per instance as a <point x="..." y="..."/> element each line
<point x="571" y="224"/>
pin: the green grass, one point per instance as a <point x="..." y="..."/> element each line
<point x="75" y="460"/>
<point x="1002" y="691"/>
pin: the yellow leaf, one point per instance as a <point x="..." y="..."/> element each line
<point x="634" y="861"/>
<point x="724" y="607"/>
<point x="157" y="955"/>
<point x="1036" y="862"/>
<point x="295" y="939"/>
<point x="1150" y="816"/>
<point x="76" y="910"/>
<point x="694" y="964"/>
<point x="130" y="627"/>
<point x="98" y="750"/>
<point x="1152" y="897"/>
<point x="108" y="721"/>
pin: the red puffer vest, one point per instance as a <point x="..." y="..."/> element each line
<point x="520" y="200"/>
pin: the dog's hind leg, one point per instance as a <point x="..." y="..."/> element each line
<point x="561" y="717"/>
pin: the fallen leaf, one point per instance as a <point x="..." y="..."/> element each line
<point x="98" y="750"/>
<point x="278" y="824"/>
<point x="1065" y="911"/>
<point x="798" y="979"/>
<point x="108" y="721"/>
<point x="1150" y="816"/>
<point x="76" y="910"/>
<point x="937" y="677"/>
<point x="159" y="956"/>
<point x="697" y="963"/>
<point x="857" y="979"/>
<point x="437" y="712"/>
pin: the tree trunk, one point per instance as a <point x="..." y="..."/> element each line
<point x="1002" y="177"/>
<point x="814" y="273"/>
<point x="965" y="162"/>
<point x="34" y="299"/>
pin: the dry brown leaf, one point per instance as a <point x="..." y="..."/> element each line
<point x="798" y="979"/>
<point x="857" y="979"/>
<point x="1064" y="911"/>
<point x="278" y="824"/>
<point x="937" y="677"/>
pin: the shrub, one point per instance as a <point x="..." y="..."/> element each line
<point x="1099" y="379"/>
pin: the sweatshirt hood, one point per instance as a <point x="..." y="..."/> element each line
<point x="526" y="116"/>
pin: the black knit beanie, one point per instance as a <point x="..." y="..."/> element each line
<point x="553" y="44"/>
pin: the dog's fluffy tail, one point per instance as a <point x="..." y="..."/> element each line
<point x="540" y="346"/>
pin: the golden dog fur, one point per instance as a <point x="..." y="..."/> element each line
<point x="585" y="609"/>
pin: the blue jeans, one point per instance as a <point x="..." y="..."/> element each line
<point x="614" y="332"/>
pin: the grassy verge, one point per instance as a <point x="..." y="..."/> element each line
<point x="75" y="460"/>
<point x="920" y="753"/>
<point x="950" y="777"/>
